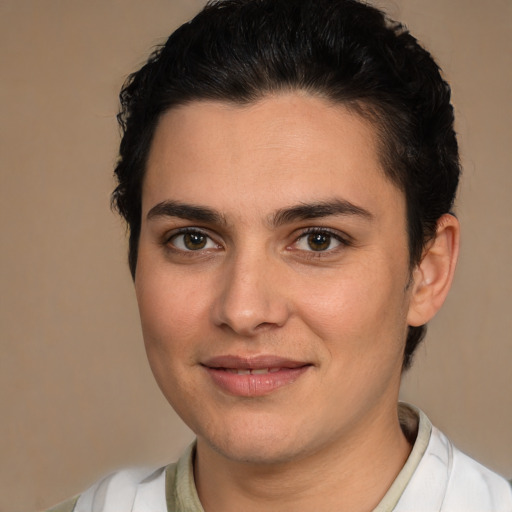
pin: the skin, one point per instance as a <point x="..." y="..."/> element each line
<point x="252" y="281"/>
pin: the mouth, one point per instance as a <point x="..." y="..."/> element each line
<point x="253" y="376"/>
<point x="251" y="371"/>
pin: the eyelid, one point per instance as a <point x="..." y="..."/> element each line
<point x="170" y="235"/>
<point x="344" y="239"/>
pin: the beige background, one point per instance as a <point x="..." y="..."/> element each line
<point x="76" y="396"/>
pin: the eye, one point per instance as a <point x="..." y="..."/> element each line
<point x="192" y="240"/>
<point x="319" y="241"/>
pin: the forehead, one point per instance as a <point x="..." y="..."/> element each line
<point x="287" y="148"/>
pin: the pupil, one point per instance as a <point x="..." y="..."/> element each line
<point x="194" y="241"/>
<point x="319" y="241"/>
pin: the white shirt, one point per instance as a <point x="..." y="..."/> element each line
<point x="435" y="478"/>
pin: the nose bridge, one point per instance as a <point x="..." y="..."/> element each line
<point x="251" y="296"/>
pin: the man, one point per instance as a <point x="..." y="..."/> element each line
<point x="287" y="172"/>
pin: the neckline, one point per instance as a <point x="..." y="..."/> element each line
<point x="417" y="429"/>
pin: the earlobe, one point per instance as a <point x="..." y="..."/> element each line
<point x="432" y="277"/>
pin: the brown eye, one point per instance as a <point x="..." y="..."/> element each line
<point x="319" y="241"/>
<point x="192" y="241"/>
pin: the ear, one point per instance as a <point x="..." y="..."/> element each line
<point x="432" y="277"/>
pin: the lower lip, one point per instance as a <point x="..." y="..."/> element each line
<point x="254" y="384"/>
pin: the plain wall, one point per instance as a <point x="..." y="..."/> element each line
<point x="77" y="398"/>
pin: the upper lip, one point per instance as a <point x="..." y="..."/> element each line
<point x="252" y="362"/>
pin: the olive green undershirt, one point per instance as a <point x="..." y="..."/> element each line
<point x="181" y="492"/>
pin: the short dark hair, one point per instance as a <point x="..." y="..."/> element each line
<point x="343" y="50"/>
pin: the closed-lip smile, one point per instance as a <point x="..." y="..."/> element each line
<point x="253" y="375"/>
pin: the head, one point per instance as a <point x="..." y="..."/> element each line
<point x="342" y="51"/>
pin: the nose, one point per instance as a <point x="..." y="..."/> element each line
<point x="251" y="297"/>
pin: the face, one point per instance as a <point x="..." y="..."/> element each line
<point x="272" y="277"/>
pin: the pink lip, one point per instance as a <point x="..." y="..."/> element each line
<point x="223" y="371"/>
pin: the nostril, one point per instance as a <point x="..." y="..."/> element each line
<point x="265" y="325"/>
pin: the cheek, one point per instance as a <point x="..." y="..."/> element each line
<point x="172" y="313"/>
<point x="359" y="312"/>
<point x="172" y="323"/>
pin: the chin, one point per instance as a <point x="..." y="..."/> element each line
<point x="263" y="443"/>
<point x="254" y="452"/>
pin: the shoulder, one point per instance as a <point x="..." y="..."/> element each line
<point x="165" y="489"/>
<point x="445" y="479"/>
<point x="134" y="489"/>
<point x="448" y="480"/>
<point x="473" y="486"/>
<point x="65" y="506"/>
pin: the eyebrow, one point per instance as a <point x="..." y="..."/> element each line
<point x="186" y="211"/>
<point x="302" y="211"/>
<point x="305" y="211"/>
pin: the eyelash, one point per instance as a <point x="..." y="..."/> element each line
<point x="168" y="241"/>
<point x="344" y="241"/>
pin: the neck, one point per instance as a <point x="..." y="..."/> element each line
<point x="351" y="474"/>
